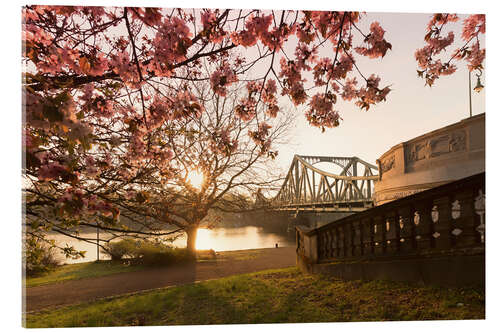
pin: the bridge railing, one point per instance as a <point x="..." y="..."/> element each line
<point x="447" y="218"/>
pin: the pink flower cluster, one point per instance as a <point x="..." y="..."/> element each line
<point x="179" y="106"/>
<point x="378" y="46"/>
<point x="475" y="57"/>
<point x="293" y="82"/>
<point x="371" y="94"/>
<point x="53" y="171"/>
<point x="260" y="137"/>
<point x="432" y="68"/>
<point x="441" y="19"/>
<point x="246" y="109"/>
<point x="170" y="44"/>
<point x="122" y="65"/>
<point x="269" y="97"/>
<point x="325" y="71"/>
<point x="221" y="142"/>
<point x="211" y="29"/>
<point x="257" y="28"/>
<point x="148" y="15"/>
<point x="75" y="203"/>
<point x="473" y="26"/>
<point x="221" y="78"/>
<point x="321" y="113"/>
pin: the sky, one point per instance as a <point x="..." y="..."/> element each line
<point x="411" y="108"/>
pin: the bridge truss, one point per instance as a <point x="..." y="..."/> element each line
<point x="306" y="187"/>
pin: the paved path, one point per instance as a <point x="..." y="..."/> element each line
<point x="84" y="290"/>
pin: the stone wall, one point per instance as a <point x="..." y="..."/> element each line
<point x="435" y="158"/>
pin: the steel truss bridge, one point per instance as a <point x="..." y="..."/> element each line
<point x="307" y="188"/>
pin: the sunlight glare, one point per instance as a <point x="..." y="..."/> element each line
<point x="204" y="239"/>
<point x="195" y="178"/>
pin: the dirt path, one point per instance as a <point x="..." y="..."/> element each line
<point x="84" y="290"/>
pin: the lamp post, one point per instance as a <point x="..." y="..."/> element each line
<point x="477" y="89"/>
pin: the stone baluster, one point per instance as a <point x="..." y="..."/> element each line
<point x="322" y="243"/>
<point x="329" y="245"/>
<point x="347" y="240"/>
<point x="336" y="248"/>
<point x="441" y="217"/>
<point x="367" y="236"/>
<point x="405" y="228"/>
<point x="379" y="235"/>
<point x="341" y="236"/>
<point x="391" y="237"/>
<point x="357" y="239"/>
<point x="424" y="227"/>
<point x="464" y="219"/>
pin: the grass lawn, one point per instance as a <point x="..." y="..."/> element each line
<point x="274" y="296"/>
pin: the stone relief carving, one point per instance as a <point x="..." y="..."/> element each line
<point x="436" y="146"/>
<point x="440" y="145"/>
<point x="457" y="141"/>
<point x="388" y="164"/>
<point x="419" y="151"/>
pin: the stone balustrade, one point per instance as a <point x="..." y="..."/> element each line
<point x="445" y="220"/>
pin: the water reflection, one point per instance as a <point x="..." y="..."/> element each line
<point x="218" y="239"/>
<point x="222" y="239"/>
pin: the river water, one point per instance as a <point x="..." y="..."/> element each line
<point x="218" y="239"/>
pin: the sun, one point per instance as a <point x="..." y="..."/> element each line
<point x="195" y="178"/>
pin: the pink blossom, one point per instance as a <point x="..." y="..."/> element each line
<point x="476" y="57"/>
<point x="221" y="78"/>
<point x="261" y="137"/>
<point x="221" y="142"/>
<point x="246" y="109"/>
<point x="52" y="171"/>
<point x="378" y="45"/>
<point x="321" y="113"/>
<point x="210" y="27"/>
<point x="474" y="25"/>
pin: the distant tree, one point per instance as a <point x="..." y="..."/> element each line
<point x="218" y="161"/>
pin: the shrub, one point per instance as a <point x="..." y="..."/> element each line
<point x="157" y="253"/>
<point x="123" y="248"/>
<point x="38" y="257"/>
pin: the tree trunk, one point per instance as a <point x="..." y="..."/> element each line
<point x="191" y="239"/>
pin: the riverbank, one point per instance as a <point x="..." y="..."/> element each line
<point x="272" y="296"/>
<point x="85" y="289"/>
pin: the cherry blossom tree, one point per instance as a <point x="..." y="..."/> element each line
<point x="106" y="88"/>
<point x="433" y="59"/>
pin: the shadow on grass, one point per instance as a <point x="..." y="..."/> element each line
<point x="278" y="296"/>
